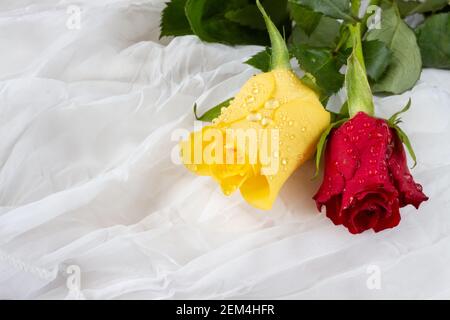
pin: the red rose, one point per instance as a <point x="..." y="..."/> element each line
<point x="366" y="179"/>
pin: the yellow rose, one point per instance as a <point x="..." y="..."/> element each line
<point x="270" y="128"/>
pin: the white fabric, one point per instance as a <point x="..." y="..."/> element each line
<point x="86" y="176"/>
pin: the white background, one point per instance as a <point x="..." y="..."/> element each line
<point x="86" y="176"/>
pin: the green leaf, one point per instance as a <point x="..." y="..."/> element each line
<point x="234" y="22"/>
<point x="358" y="89"/>
<point x="324" y="35"/>
<point x="343" y="55"/>
<point x="261" y="60"/>
<point x="377" y="58"/>
<point x="406" y="65"/>
<point x="278" y="12"/>
<point x="322" y="143"/>
<point x="247" y="16"/>
<point x="405" y="140"/>
<point x="173" y="20"/>
<point x="395" y="117"/>
<point x="338" y="9"/>
<point x="407" y="8"/>
<point x="250" y="16"/>
<point x="207" y="20"/>
<point x="213" y="113"/>
<point x="434" y="41"/>
<point x="322" y="65"/>
<point x="306" y="19"/>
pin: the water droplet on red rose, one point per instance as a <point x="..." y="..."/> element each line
<point x="419" y="187"/>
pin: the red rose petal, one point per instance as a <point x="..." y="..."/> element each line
<point x="410" y="191"/>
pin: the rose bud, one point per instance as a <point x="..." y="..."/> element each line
<point x="276" y="101"/>
<point x="366" y="179"/>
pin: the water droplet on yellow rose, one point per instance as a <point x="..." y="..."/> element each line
<point x="254" y="117"/>
<point x="250" y="99"/>
<point x="272" y="104"/>
<point x="266" y="121"/>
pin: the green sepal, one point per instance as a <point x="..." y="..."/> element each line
<point x="405" y="140"/>
<point x="212" y="113"/>
<point x="394" y="121"/>
<point x="358" y="89"/>
<point x="280" y="58"/>
<point x="342" y="114"/>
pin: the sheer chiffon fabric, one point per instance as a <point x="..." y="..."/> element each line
<point x="89" y="124"/>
